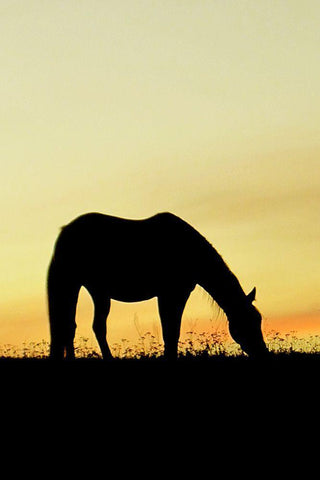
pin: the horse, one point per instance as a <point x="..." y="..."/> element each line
<point x="134" y="260"/>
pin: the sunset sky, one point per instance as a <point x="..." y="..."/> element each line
<point x="209" y="109"/>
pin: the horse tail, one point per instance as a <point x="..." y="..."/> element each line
<point x="62" y="290"/>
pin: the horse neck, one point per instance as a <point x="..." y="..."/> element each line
<point x="218" y="280"/>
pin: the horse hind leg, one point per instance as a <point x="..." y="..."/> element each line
<point x="62" y="299"/>
<point x="63" y="325"/>
<point x="101" y="311"/>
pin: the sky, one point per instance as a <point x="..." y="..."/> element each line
<point x="205" y="108"/>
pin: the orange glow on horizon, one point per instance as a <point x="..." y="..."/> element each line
<point x="131" y="321"/>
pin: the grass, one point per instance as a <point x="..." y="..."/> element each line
<point x="211" y="373"/>
<point x="194" y="346"/>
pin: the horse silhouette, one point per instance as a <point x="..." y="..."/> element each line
<point x="133" y="260"/>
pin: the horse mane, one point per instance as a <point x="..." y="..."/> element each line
<point x="208" y="251"/>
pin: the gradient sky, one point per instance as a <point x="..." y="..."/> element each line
<point x="209" y="109"/>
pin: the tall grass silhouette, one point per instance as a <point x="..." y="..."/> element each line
<point x="194" y="346"/>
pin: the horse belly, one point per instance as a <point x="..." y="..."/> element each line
<point x="123" y="282"/>
<point x="135" y="287"/>
<point x="136" y="272"/>
<point x="131" y="286"/>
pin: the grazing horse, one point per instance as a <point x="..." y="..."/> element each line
<point x="134" y="260"/>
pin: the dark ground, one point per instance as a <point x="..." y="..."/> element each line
<point x="197" y="417"/>
<point x="295" y="373"/>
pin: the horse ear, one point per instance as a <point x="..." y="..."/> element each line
<point x="252" y="295"/>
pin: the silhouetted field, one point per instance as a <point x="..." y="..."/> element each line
<point x="191" y="383"/>
<point x="202" y="397"/>
<point x="205" y="403"/>
<point x="279" y="367"/>
<point x="204" y="359"/>
<point x="195" y="346"/>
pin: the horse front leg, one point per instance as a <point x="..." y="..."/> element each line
<point x="170" y="310"/>
<point x="101" y="311"/>
<point x="69" y="342"/>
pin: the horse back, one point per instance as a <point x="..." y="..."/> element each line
<point x="158" y="242"/>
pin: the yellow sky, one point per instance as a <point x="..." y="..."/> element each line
<point x="209" y="109"/>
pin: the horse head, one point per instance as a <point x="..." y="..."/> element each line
<point x="245" y="328"/>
